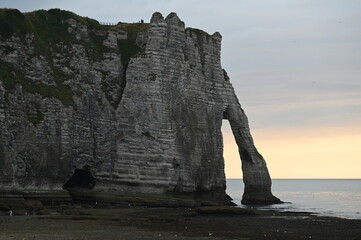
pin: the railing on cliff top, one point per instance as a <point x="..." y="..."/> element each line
<point x="108" y="23"/>
<point x="114" y="24"/>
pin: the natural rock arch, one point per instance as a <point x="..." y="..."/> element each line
<point x="256" y="177"/>
<point x="140" y="104"/>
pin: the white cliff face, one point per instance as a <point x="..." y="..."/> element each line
<point x="142" y="112"/>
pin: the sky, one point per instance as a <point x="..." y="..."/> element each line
<point x="295" y="66"/>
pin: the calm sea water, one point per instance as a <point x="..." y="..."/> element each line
<point x="326" y="197"/>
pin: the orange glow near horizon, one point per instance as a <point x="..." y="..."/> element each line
<point x="305" y="153"/>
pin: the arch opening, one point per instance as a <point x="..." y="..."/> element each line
<point x="232" y="161"/>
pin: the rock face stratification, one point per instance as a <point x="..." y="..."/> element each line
<point x="130" y="108"/>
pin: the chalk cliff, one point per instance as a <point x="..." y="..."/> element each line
<point x="126" y="109"/>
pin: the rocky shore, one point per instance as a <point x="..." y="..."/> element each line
<point x="84" y="221"/>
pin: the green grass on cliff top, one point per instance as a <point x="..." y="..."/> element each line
<point x="50" y="28"/>
<point x="44" y="24"/>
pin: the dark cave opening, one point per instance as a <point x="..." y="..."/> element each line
<point x="81" y="179"/>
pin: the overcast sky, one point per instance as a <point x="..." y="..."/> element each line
<point x="295" y="64"/>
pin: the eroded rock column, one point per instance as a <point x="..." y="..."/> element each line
<point x="256" y="178"/>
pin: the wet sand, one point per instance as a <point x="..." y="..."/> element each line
<point x="174" y="223"/>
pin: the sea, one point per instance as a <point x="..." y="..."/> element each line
<point x="324" y="197"/>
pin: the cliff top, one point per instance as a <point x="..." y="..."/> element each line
<point x="47" y="22"/>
